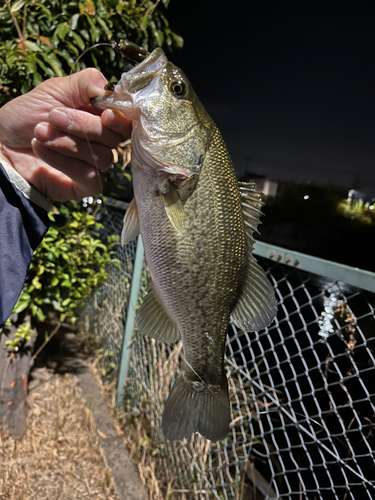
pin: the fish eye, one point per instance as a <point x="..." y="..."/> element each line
<point x="178" y="88"/>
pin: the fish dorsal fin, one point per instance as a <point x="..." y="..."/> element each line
<point x="151" y="319"/>
<point x="256" y="306"/>
<point x="252" y="203"/>
<point x="130" y="228"/>
<point x="173" y="206"/>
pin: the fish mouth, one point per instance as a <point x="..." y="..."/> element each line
<point x="134" y="80"/>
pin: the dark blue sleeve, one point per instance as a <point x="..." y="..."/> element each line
<point x="23" y="225"/>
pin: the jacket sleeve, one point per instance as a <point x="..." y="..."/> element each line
<point x="23" y="224"/>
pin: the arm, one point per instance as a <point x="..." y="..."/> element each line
<point x="44" y="154"/>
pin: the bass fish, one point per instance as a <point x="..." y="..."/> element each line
<point x="197" y="223"/>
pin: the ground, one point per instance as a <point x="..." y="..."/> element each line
<point x="59" y="455"/>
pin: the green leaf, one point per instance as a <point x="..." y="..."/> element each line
<point x="95" y="33"/>
<point x="37" y="283"/>
<point x="54" y="281"/>
<point x="34" y="47"/>
<point x="78" y="40"/>
<point x="178" y="39"/>
<point x="44" y="9"/>
<point x="48" y="71"/>
<point x="52" y="60"/>
<point x="17" y="6"/>
<point x="24" y="297"/>
<point x="37" y="78"/>
<point x="159" y="37"/>
<point x="144" y="22"/>
<point x="10" y="61"/>
<point x="62" y="29"/>
<point x="40" y="315"/>
<point x="20" y="306"/>
<point x="73" y="24"/>
<point x="105" y="27"/>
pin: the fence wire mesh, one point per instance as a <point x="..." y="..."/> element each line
<point x="302" y="392"/>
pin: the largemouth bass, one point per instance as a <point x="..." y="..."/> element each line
<point x="197" y="223"/>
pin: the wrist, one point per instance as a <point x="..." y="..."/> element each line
<point x="22" y="185"/>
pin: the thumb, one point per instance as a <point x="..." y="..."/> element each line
<point x="77" y="89"/>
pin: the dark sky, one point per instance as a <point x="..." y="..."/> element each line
<point x="293" y="95"/>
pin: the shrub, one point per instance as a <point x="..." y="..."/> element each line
<point x="41" y="39"/>
<point x="67" y="266"/>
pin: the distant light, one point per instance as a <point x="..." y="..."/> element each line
<point x="371" y="207"/>
<point x="306" y="197"/>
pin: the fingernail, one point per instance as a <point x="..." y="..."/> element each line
<point x="44" y="133"/>
<point x="59" y="118"/>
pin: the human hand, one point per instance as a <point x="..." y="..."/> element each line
<point x="57" y="141"/>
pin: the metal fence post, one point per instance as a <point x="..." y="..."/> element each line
<point x="129" y="327"/>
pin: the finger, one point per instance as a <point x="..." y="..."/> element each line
<point x="78" y="89"/>
<point x="90" y="109"/>
<point x="117" y="122"/>
<point x="84" y="125"/>
<point x="86" y="178"/>
<point x="94" y="154"/>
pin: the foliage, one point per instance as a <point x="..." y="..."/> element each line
<point x="41" y="39"/>
<point x="357" y="209"/>
<point x="69" y="263"/>
<point x="22" y="335"/>
<point x="109" y="363"/>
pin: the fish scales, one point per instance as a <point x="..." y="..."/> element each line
<point x="196" y="225"/>
<point x="208" y="259"/>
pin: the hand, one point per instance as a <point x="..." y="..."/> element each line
<point x="57" y="141"/>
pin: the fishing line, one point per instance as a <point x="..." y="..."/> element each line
<point x="203" y="382"/>
<point x="99" y="172"/>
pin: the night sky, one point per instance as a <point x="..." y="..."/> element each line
<point x="293" y="95"/>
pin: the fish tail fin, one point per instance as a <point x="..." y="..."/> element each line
<point x="193" y="406"/>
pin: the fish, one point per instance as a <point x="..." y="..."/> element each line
<point x="197" y="224"/>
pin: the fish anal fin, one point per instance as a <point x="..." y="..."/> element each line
<point x="195" y="407"/>
<point x="256" y="307"/>
<point x="152" y="320"/>
<point x="130" y="228"/>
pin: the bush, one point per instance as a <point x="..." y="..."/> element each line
<point x="41" y="39"/>
<point x="67" y="266"/>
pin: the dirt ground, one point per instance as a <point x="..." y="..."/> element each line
<point x="58" y="458"/>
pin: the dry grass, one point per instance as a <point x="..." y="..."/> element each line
<point x="58" y="457"/>
<point x="152" y="468"/>
<point x="135" y="434"/>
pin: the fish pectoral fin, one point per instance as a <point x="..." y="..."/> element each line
<point x="130" y="228"/>
<point x="252" y="203"/>
<point x="152" y="319"/>
<point x="173" y="207"/>
<point x="256" y="306"/>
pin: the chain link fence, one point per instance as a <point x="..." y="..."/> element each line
<point x="302" y="391"/>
